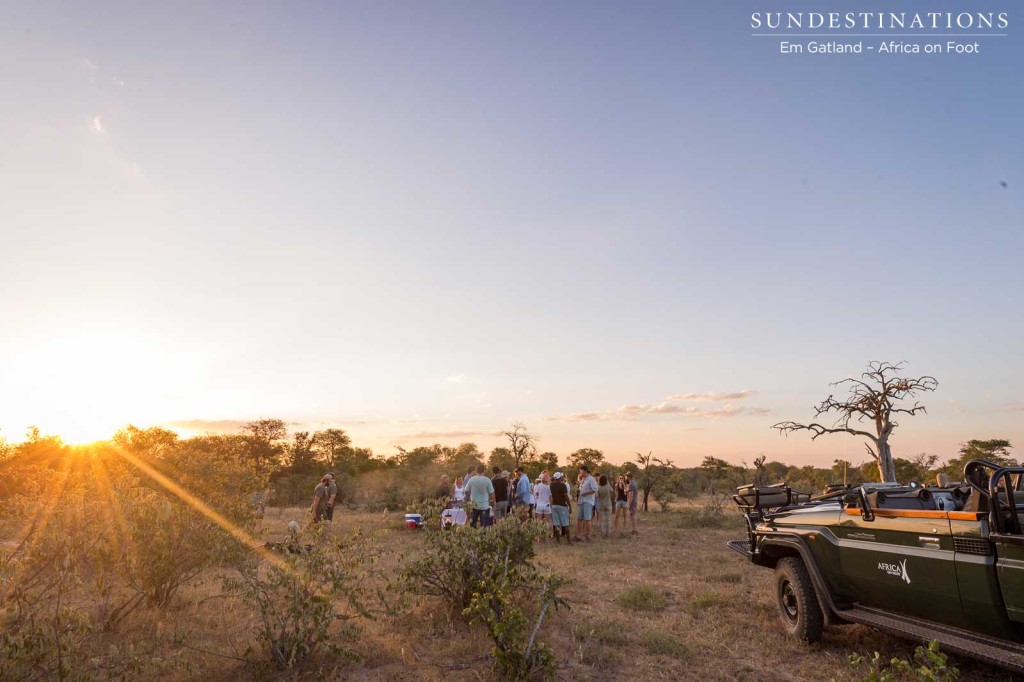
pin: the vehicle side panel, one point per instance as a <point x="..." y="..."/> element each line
<point x="905" y="563"/>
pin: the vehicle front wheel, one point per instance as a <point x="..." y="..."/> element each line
<point x="798" y="604"/>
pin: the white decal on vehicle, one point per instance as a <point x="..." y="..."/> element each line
<point x="899" y="570"/>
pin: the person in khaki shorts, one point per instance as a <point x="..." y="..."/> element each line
<point x="587" y="503"/>
<point x="633" y="493"/>
<point x="500" y="483"/>
<point x="561" y="507"/>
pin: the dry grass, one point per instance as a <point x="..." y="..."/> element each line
<point x="673" y="603"/>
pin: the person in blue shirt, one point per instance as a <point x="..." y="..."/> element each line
<point x="480" y="491"/>
<point x="524" y="494"/>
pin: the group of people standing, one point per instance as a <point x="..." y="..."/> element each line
<point x="548" y="498"/>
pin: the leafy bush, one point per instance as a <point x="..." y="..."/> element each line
<point x="488" y="575"/>
<point x="168" y="546"/>
<point x="927" y="665"/>
<point x="299" y="597"/>
<point x="664" y="497"/>
<point x="48" y="630"/>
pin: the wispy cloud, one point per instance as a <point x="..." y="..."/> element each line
<point x="587" y="417"/>
<point x="457" y="379"/>
<point x="671" y="406"/>
<point x="443" y="435"/>
<point x="217" y="425"/>
<point x="1019" y="407"/>
<point x="90" y="66"/>
<point x="688" y="410"/>
<point x="712" y="397"/>
<point x="97" y="125"/>
<point x="208" y="425"/>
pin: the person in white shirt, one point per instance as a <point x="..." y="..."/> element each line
<point x="542" y="498"/>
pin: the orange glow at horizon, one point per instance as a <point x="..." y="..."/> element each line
<point x="93" y="385"/>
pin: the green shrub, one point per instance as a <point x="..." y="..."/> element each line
<point x="927" y="665"/>
<point x="300" y="597"/>
<point x="488" y="576"/>
<point x="73" y="549"/>
<point x="168" y="545"/>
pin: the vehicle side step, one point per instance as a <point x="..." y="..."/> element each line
<point x="991" y="650"/>
<point x="741" y="546"/>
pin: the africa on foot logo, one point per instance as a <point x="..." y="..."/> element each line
<point x="899" y="570"/>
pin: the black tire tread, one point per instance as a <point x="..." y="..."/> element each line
<point x="810" y="623"/>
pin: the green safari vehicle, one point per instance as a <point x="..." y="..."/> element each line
<point x="940" y="562"/>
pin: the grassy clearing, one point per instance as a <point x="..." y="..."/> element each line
<point x="673" y="603"/>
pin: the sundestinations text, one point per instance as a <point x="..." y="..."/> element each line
<point x="880" y="20"/>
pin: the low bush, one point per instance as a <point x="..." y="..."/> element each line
<point x="489" y="577"/>
<point x="310" y="600"/>
<point x="928" y="664"/>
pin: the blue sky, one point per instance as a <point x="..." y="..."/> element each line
<point x="423" y="221"/>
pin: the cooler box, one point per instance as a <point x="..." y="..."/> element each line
<point x="762" y="497"/>
<point x="413" y="521"/>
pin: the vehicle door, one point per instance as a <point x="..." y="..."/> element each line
<point x="1010" y="569"/>
<point x="902" y="560"/>
<point x="1007" y="537"/>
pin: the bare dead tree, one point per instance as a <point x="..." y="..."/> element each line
<point x="521" y="443"/>
<point x="875" y="399"/>
<point x="760" y="472"/>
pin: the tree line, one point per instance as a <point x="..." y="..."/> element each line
<point x="265" y="454"/>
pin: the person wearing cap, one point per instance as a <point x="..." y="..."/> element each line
<point x="560" y="507"/>
<point x="318" y="509"/>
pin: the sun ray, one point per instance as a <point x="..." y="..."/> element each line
<point x="34" y="528"/>
<point x="197" y="504"/>
<point x="102" y="478"/>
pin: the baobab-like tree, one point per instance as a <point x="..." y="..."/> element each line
<point x="874" y="400"/>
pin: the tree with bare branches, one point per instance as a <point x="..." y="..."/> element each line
<point x="652" y="471"/>
<point x="875" y="399"/>
<point x="522" y="445"/>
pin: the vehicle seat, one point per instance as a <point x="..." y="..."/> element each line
<point x="903" y="498"/>
<point x="976" y="502"/>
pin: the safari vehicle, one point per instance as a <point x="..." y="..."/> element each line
<point x="942" y="562"/>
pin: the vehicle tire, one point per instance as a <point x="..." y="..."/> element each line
<point x="798" y="604"/>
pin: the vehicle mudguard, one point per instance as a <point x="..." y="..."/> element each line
<point x="792" y="543"/>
